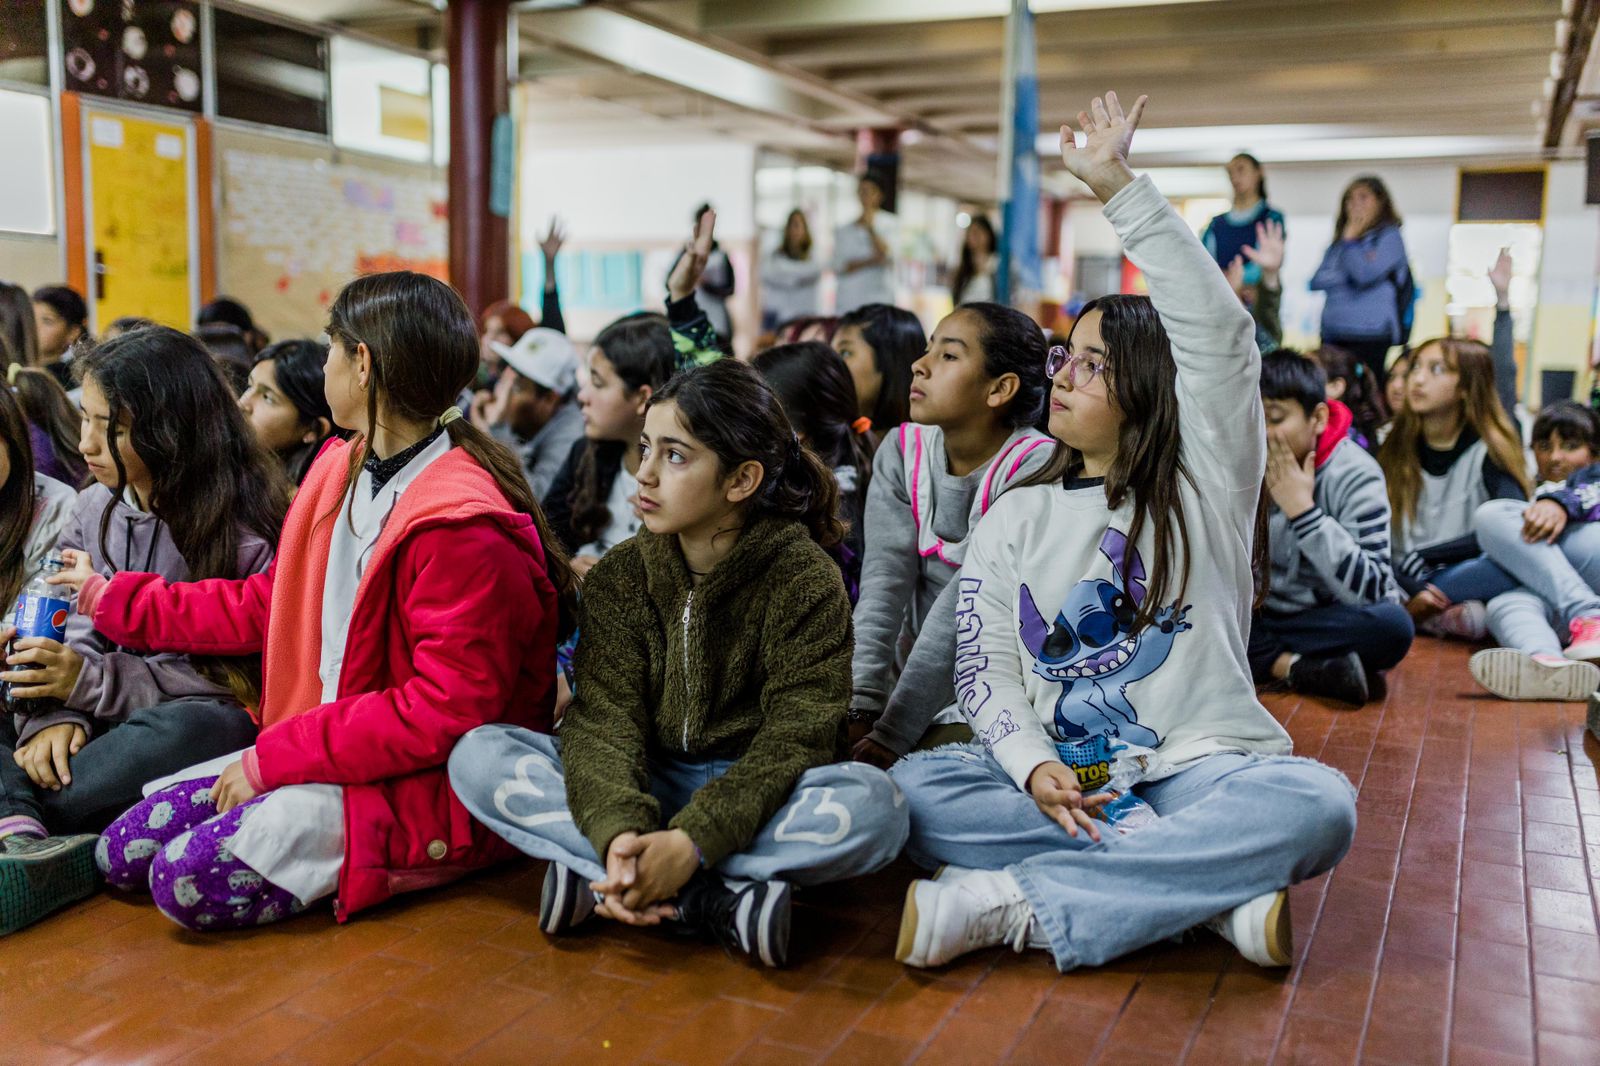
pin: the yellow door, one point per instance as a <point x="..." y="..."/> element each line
<point x="140" y="219"/>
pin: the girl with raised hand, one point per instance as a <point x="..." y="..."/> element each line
<point x="286" y="405"/>
<point x="1102" y="629"/>
<point x="975" y="397"/>
<point x="691" y="782"/>
<point x="182" y="492"/>
<point x="811" y="382"/>
<point x="414" y="597"/>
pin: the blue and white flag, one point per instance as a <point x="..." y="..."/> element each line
<point x="1020" y="271"/>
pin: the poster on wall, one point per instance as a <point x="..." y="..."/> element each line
<point x="139" y="219"/>
<point x="301" y="221"/>
<point x="145" y="51"/>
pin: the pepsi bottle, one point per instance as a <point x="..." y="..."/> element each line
<point x="42" y="611"/>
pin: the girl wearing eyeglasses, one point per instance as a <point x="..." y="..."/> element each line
<point x="1100" y="653"/>
<point x="975" y="395"/>
<point x="1451" y="449"/>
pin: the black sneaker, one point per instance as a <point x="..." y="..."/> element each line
<point x="566" y="901"/>
<point x="751" y="917"/>
<point x="1335" y="677"/>
<point x="39" y="876"/>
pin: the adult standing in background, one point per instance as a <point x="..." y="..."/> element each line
<point x="861" y="259"/>
<point x="1227" y="235"/>
<point x="974" y="280"/>
<point x="1366" y="276"/>
<point x="789" y="276"/>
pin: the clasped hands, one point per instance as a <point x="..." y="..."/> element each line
<point x="644" y="871"/>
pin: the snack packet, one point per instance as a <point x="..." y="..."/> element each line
<point x="1105" y="764"/>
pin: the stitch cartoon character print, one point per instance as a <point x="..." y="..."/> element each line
<point x="1092" y="651"/>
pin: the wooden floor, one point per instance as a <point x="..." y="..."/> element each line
<point x="1461" y="928"/>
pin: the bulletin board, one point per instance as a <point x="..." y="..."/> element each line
<point x="138" y="177"/>
<point x="298" y="220"/>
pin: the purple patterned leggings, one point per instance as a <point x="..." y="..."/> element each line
<point x="176" y="844"/>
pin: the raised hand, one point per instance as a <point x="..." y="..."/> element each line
<point x="1235" y="273"/>
<point x="685" y="277"/>
<point x="554" y="238"/>
<point x="1102" y="162"/>
<point x="1268" y="251"/>
<point x="1500" y="278"/>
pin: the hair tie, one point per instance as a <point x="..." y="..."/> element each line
<point x="862" y="425"/>
<point x="450" y="415"/>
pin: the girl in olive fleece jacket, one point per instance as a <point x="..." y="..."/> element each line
<point x="712" y="685"/>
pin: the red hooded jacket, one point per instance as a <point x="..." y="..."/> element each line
<point x="454" y="626"/>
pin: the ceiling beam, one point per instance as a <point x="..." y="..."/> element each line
<point x="1580" y="40"/>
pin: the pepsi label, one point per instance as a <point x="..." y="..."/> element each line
<point x="39" y="616"/>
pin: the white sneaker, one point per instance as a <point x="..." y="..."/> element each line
<point x="1260" y="929"/>
<point x="963" y="911"/>
<point x="1514" y="675"/>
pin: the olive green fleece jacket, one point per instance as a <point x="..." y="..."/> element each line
<point x="753" y="665"/>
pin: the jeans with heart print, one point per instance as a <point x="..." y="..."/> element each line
<point x="840" y="821"/>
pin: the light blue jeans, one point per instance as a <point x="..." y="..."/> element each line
<point x="840" y="821"/>
<point x="1231" y="827"/>
<point x="1558" y="580"/>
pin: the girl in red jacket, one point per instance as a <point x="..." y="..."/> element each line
<point x="414" y="597"/>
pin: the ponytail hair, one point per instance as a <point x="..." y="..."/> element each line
<point x="424" y="345"/>
<point x="819" y="396"/>
<point x="728" y="407"/>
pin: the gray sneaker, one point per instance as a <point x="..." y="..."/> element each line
<point x="41" y="876"/>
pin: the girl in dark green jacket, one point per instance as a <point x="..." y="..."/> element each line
<point x="695" y="778"/>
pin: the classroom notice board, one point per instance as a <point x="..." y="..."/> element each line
<point x="139" y="219"/>
<point x="299" y="220"/>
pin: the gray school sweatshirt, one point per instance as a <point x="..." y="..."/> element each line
<point x="905" y="618"/>
<point x="1337" y="552"/>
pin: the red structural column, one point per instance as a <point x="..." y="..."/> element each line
<point x="479" y="90"/>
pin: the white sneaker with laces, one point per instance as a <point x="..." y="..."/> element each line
<point x="1260" y="929"/>
<point x="1514" y="675"/>
<point x="964" y="910"/>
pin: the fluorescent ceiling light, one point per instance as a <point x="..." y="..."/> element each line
<point x="1303" y="144"/>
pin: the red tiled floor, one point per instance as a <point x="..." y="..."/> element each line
<point x="1460" y="929"/>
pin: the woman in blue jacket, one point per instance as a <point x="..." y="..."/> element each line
<point x="1366" y="277"/>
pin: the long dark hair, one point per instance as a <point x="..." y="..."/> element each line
<point x="819" y="396"/>
<point x="731" y="410"/>
<point x="967" y="268"/>
<point x="640" y="349"/>
<point x="46" y="404"/>
<point x="19" y="337"/>
<point x="211" y="481"/>
<point x="225" y="310"/>
<point x="897" y="340"/>
<point x="298" y="367"/>
<point x="424" y="346"/>
<point x="1013" y="343"/>
<point x="1149" y="466"/>
<point x="1261" y="175"/>
<point x="1387" y="215"/>
<point x="1361" y="393"/>
<point x="16" y="499"/>
<point x="803" y="250"/>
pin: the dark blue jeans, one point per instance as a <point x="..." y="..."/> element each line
<point x="1380" y="633"/>
<point x="1479" y="579"/>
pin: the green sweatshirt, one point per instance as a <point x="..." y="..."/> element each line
<point x="753" y="666"/>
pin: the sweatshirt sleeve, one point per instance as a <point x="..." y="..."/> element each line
<point x="1267" y="312"/>
<point x="889" y="571"/>
<point x="989" y="668"/>
<point x="1504" y="352"/>
<point x="1374" y="258"/>
<point x="806" y="661"/>
<point x="1348" y="544"/>
<point x="467" y="651"/>
<point x="550" y="316"/>
<point x="1212" y="335"/>
<point x="605" y="733"/>
<point x="1579" y="495"/>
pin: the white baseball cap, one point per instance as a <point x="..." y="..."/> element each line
<point x="543" y="356"/>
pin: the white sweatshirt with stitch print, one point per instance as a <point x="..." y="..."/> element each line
<point x="1043" y="650"/>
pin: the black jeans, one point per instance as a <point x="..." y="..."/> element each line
<point x="1380" y="633"/>
<point x="112" y="769"/>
